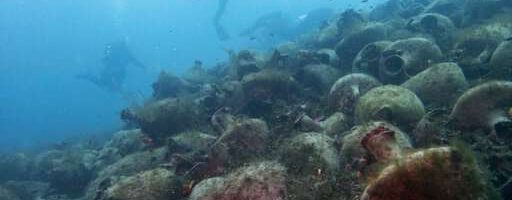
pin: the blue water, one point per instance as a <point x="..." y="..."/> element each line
<point x="44" y="43"/>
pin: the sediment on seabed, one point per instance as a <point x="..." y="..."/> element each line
<point x="412" y="100"/>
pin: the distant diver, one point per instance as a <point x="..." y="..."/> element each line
<point x="278" y="25"/>
<point x="271" y="24"/>
<point x="222" y="34"/>
<point x="314" y="19"/>
<point x="117" y="57"/>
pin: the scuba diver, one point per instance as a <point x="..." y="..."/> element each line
<point x="279" y="26"/>
<point x="271" y="24"/>
<point x="314" y="19"/>
<point x="116" y="58"/>
<point x="274" y="25"/>
<point x="222" y="34"/>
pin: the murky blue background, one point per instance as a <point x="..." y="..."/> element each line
<point x="44" y="43"/>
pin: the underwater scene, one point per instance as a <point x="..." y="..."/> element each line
<point x="256" y="100"/>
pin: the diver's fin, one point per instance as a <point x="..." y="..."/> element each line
<point x="222" y="34"/>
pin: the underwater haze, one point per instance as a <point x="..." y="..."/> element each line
<point x="45" y="43"/>
<point x="256" y="100"/>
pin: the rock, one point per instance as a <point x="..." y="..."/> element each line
<point x="328" y="57"/>
<point x="306" y="124"/>
<point x="473" y="53"/>
<point x="501" y="61"/>
<point x="400" y="31"/>
<point x="197" y="74"/>
<point x="436" y="173"/>
<point x="161" y="119"/>
<point x="156" y="184"/>
<point x="222" y="120"/>
<point x="429" y="130"/>
<point x="127" y="141"/>
<point x="244" y="63"/>
<point x="27" y="190"/>
<point x="59" y="168"/>
<point x="233" y="93"/>
<point x="439" y="85"/>
<point x="346" y="91"/>
<point x="7" y="194"/>
<point x="336" y="124"/>
<point x="89" y="159"/>
<point x="327" y="36"/>
<point x="106" y="156"/>
<point x="310" y="152"/>
<point x="134" y="163"/>
<point x="258" y="181"/>
<point x="243" y="141"/>
<point x="210" y="97"/>
<point x="408" y="57"/>
<point x="287" y="48"/>
<point x="484" y="106"/>
<point x="348" y="48"/>
<point x="15" y="166"/>
<point x="391" y="103"/>
<point x="450" y="8"/>
<point x="374" y="142"/>
<point x="477" y="11"/>
<point x="439" y="27"/>
<point x="194" y="140"/>
<point x="296" y="62"/>
<point x="312" y="163"/>
<point x="127" y="166"/>
<point x="367" y="60"/>
<point x="169" y="85"/>
<point x="206" y="187"/>
<point x="268" y="85"/>
<point x="320" y="77"/>
<point x="350" y="21"/>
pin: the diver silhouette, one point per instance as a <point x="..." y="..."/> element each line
<point x="222" y="34"/>
<point x="274" y="23"/>
<point x="279" y="25"/>
<point x="117" y="57"/>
